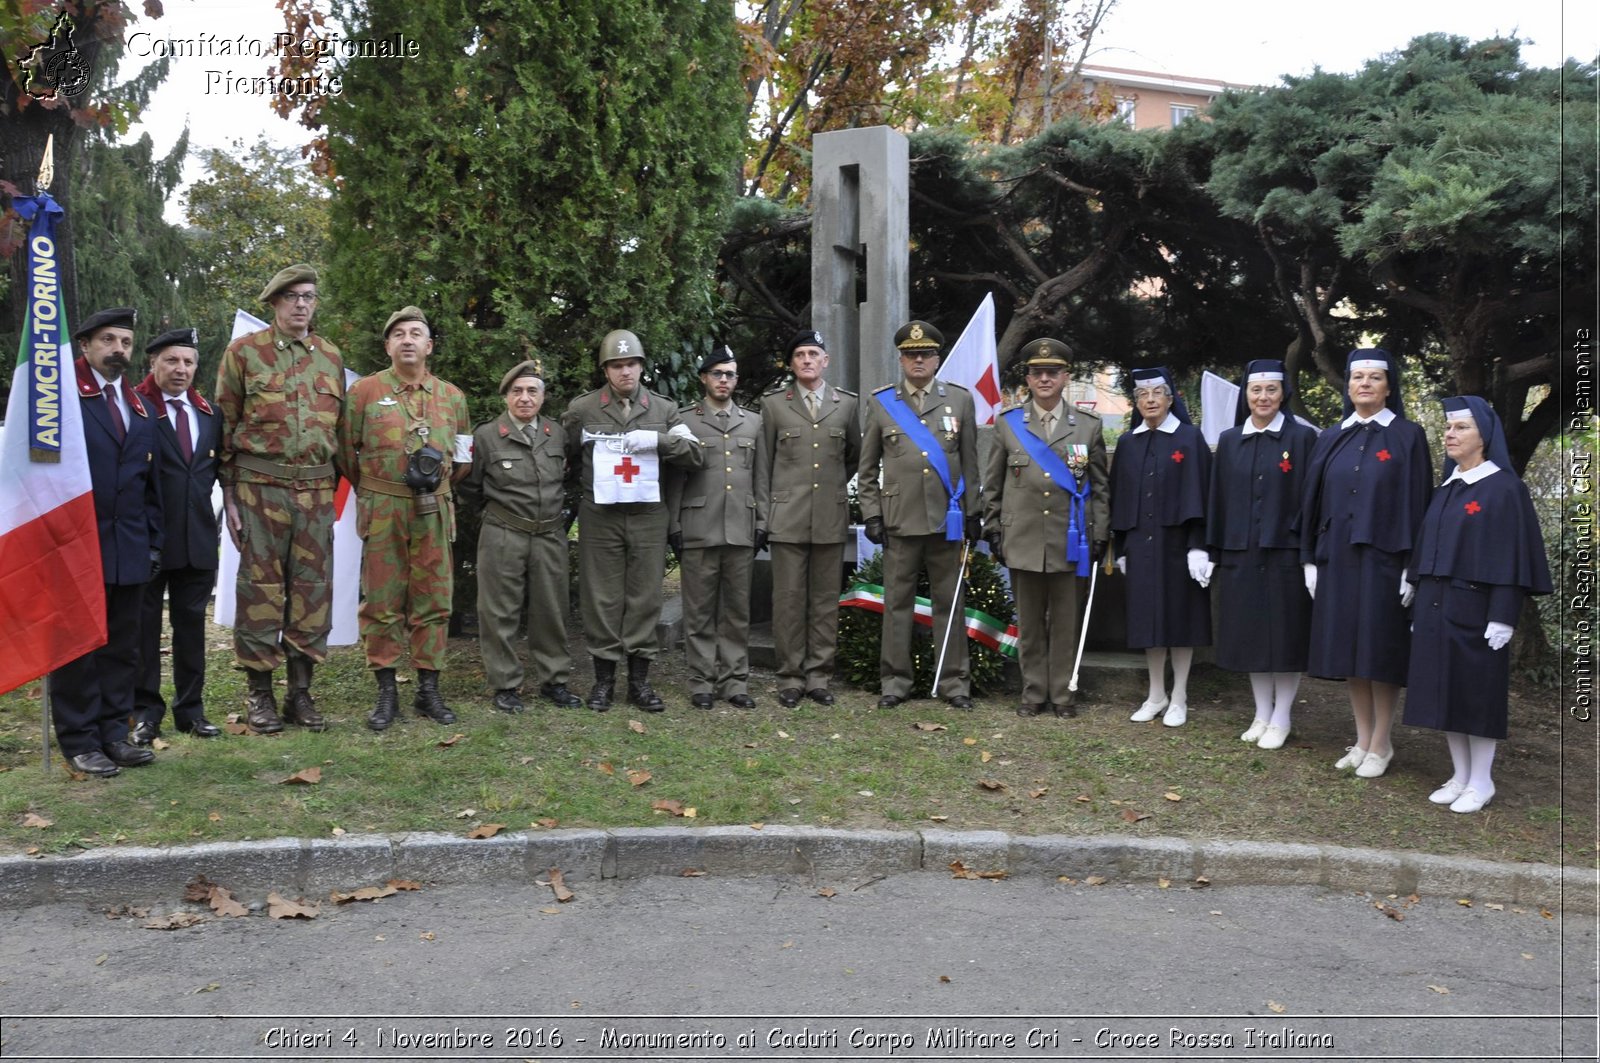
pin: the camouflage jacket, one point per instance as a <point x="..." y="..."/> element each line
<point x="281" y="401"/>
<point x="380" y="421"/>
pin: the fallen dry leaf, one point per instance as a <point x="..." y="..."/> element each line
<point x="234" y="727"/>
<point x="209" y="987"/>
<point x="784" y="734"/>
<point x="986" y="756"/>
<point x="215" y="817"/>
<point x="104" y="956"/>
<point x="405" y="884"/>
<point x="960" y="870"/>
<point x="944" y="979"/>
<point x="1170" y="796"/>
<point x="159" y="744"/>
<point x="827" y="891"/>
<point x="605" y="768"/>
<point x="1527" y="955"/>
<point x="929" y="725"/>
<point x="1134" y="816"/>
<point x="939" y="819"/>
<point x="33" y="819"/>
<point x="558" y="886"/>
<point x="198" y="889"/>
<point x="1495" y="907"/>
<point x="1443" y="990"/>
<point x="667" y="804"/>
<point x="223" y="904"/>
<point x="638" y="777"/>
<point x="338" y="832"/>
<point x="365" y="893"/>
<point x="279" y="907"/>
<point x="864" y="793"/>
<point x="1163" y="883"/>
<point x="466" y="813"/>
<point x="757" y="826"/>
<point x="636" y="727"/>
<point x="1068" y="879"/>
<point x="1547" y="913"/>
<point x="691" y="872"/>
<point x="991" y="784"/>
<point x="1464" y="902"/>
<point x="1038" y="792"/>
<point x="969" y="741"/>
<point x="1393" y="913"/>
<point x="446" y="743"/>
<point x="427" y="935"/>
<point x="1084" y="798"/>
<point x="486" y="830"/>
<point x="305" y="777"/>
<point x="787" y="945"/>
<point x="549" y="911"/>
<point x="1200" y="882"/>
<point x="549" y="823"/>
<point x="175" y="921"/>
<point x="1095" y="880"/>
<point x="1275" y="1006"/>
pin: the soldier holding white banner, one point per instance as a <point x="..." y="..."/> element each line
<point x="617" y="437"/>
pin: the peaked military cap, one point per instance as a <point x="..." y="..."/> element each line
<point x="620" y="345"/>
<point x="531" y="367"/>
<point x="405" y="313"/>
<point x="806" y="337"/>
<point x="114" y="317"/>
<point x="918" y="336"/>
<point x="178" y="337"/>
<point x="299" y="273"/>
<point x="719" y="354"/>
<point x="1046" y="354"/>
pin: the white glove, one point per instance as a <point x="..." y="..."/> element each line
<point x="1311" y="579"/>
<point x="1200" y="567"/>
<point x="681" y="431"/>
<point x="1122" y="565"/>
<point x="640" y="441"/>
<point x="1498" y="634"/>
<point x="1408" y="591"/>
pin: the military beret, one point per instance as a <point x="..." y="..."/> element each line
<point x="808" y="337"/>
<point x="405" y="313"/>
<point x="1046" y="353"/>
<point x="300" y="273"/>
<point x="918" y="336"/>
<point x="115" y="317"/>
<point x="178" y="337"/>
<point x="620" y="345"/>
<point x="531" y="367"/>
<point x="719" y="354"/>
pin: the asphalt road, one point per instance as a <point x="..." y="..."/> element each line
<point x="914" y="966"/>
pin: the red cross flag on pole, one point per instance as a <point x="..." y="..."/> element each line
<point x="973" y="364"/>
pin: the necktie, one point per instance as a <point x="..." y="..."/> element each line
<point x="919" y="397"/>
<point x="812" y="405"/>
<point x="722" y="415"/>
<point x="627" y="408"/>
<point x="180" y="421"/>
<point x="116" y="413"/>
<point x="1049" y="422"/>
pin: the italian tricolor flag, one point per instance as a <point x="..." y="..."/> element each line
<point x="981" y="627"/>
<point x="52" y="586"/>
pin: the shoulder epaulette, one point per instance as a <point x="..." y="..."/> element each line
<point x="776" y="388"/>
<point x="953" y="384"/>
<point x="847" y="391"/>
<point x="886" y="387"/>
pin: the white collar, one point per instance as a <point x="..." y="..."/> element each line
<point x="101" y="379"/>
<point x="1383" y="417"/>
<point x="1472" y="475"/>
<point x="182" y="396"/>
<point x="1169" y="426"/>
<point x="1250" y="428"/>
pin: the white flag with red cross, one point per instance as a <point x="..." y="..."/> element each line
<point x="622" y="477"/>
<point x="973" y="363"/>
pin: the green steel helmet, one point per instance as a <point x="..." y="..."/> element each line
<point x="620" y="345"/>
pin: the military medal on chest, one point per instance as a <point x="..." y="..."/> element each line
<point x="1077" y="457"/>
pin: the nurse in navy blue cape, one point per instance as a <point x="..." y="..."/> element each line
<point x="1366" y="491"/>
<point x="1263" y="612"/>
<point x="1479" y="554"/>
<point x="1159" y="479"/>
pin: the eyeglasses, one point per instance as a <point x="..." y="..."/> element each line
<point x="918" y="355"/>
<point x="1043" y="371"/>
<point x="722" y="374"/>
<point x="306" y="298"/>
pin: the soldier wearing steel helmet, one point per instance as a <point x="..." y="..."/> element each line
<point x="617" y="437"/>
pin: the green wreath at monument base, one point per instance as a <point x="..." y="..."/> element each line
<point x="990" y="614"/>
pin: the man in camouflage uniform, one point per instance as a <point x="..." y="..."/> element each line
<point x="714" y="533"/>
<point x="519" y="465"/>
<point x="399" y="435"/>
<point x="908" y="508"/>
<point x="281" y="395"/>
<point x="622" y="546"/>
<point x="810" y="443"/>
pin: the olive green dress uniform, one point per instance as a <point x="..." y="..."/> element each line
<point x="912" y="503"/>
<point x="622" y="548"/>
<point x="407" y="579"/>
<point x="804" y="469"/>
<point x="281" y="401"/>
<point x="1031" y="512"/>
<point x="714" y="509"/>
<point x="519" y="474"/>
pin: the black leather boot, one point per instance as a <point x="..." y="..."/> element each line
<point x="428" y="702"/>
<point x="387" y="707"/>
<point x="639" y="692"/>
<point x="298" y="708"/>
<point x="605" y="685"/>
<point x="261" y="705"/>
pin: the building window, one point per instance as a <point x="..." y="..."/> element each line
<point x="1125" y="108"/>
<point x="1182" y="112"/>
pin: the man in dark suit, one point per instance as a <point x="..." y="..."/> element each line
<point x="93" y="695"/>
<point x="189" y="432"/>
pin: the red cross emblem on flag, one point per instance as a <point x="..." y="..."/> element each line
<point x="627" y="470"/>
<point x="1384" y="455"/>
<point x="1473" y="507"/>
<point x="1177" y="456"/>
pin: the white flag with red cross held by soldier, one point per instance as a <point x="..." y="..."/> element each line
<point x="621" y="475"/>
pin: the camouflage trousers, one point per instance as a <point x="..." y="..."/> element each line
<point x="285" y="585"/>
<point x="407" y="580"/>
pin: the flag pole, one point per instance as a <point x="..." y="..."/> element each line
<point x="42" y="183"/>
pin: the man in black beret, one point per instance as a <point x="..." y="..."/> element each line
<point x="189" y="432"/>
<point x="93" y="695"/>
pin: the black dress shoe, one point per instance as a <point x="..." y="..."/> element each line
<point x="960" y="701"/>
<point x="508" y="701"/>
<point x="789" y="697"/>
<point x="701" y="701"/>
<point x="93" y="762"/>
<point x="820" y="695"/>
<point x="202" y="728"/>
<point x="128" y="755"/>
<point x="558" y="694"/>
<point x="889" y="701"/>
<point x="1029" y="709"/>
<point x="143" y="733"/>
<point x="743" y="701"/>
<point x="1069" y="710"/>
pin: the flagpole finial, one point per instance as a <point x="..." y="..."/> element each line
<point x="47" y="166"/>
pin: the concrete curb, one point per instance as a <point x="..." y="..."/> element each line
<point x="309" y="867"/>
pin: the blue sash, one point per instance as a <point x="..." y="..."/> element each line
<point x="933" y="450"/>
<point x="1057" y="470"/>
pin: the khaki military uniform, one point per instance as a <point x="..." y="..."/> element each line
<point x="912" y="502"/>
<point x="622" y="548"/>
<point x="714" y="510"/>
<point x="407" y="577"/>
<point x="281" y="401"/>
<point x="1031" y="510"/>
<point x="518" y="475"/>
<point x="804" y="469"/>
